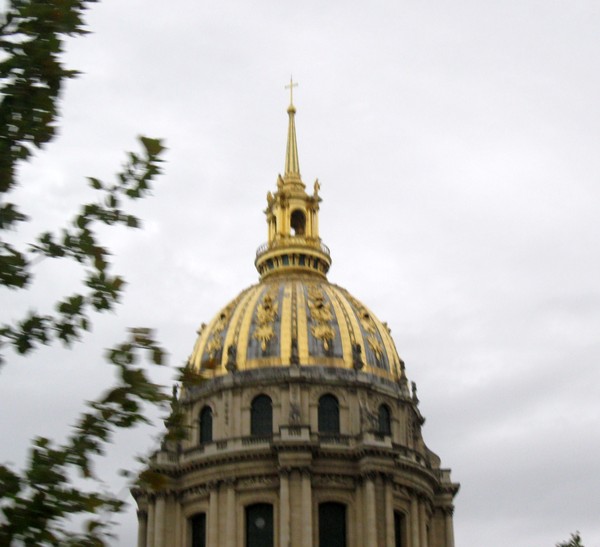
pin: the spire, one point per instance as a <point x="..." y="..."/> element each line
<point x="294" y="245"/>
<point x="292" y="165"/>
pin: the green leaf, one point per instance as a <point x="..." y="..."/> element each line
<point x="154" y="147"/>
<point x="95" y="183"/>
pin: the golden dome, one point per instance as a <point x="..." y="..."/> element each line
<point x="294" y="316"/>
<point x="295" y="319"/>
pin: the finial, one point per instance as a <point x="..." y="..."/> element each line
<point x="291" y="88"/>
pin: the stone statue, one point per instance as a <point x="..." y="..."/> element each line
<point x="294" y="413"/>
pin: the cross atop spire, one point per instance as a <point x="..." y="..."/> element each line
<point x="291" y="88"/>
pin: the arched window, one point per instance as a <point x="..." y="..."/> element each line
<point x="332" y="524"/>
<point x="329" y="414"/>
<point x="198" y="530"/>
<point x="384" y="420"/>
<point x="399" y="529"/>
<point x="261" y="416"/>
<point x="206" y="423"/>
<point x="298" y="223"/>
<point x="259" y="525"/>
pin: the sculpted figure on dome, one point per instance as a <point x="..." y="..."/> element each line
<point x="316" y="188"/>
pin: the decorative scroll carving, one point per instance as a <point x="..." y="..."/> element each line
<point x="365" y="319"/>
<point x="342" y="481"/>
<point x="376" y="346"/>
<point x="321" y="315"/>
<point x="197" y="491"/>
<point x="368" y="418"/>
<point x="266" y="313"/>
<point x="258" y="481"/>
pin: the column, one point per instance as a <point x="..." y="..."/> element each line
<point x="159" y="522"/>
<point x="150" y="526"/>
<point x="179" y="521"/>
<point x="449" y="527"/>
<point x="310" y="216"/>
<point x="423" y="522"/>
<point x="360" y="521"/>
<point x="142" y="528"/>
<point x="230" y="530"/>
<point x="307" y="534"/>
<point x="284" y="509"/>
<point x="370" y="511"/>
<point x="213" y="516"/>
<point x="390" y="533"/>
<point x="414" y="521"/>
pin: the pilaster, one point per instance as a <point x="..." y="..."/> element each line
<point x="284" y="509"/>
<point x="307" y="527"/>
<point x="370" y="510"/>
<point x="213" y="516"/>
<point x="142" y="528"/>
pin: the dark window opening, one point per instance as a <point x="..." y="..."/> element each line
<point x="385" y="420"/>
<point x="261" y="416"/>
<point x="329" y="415"/>
<point x="286" y="260"/>
<point x="259" y="525"/>
<point x="332" y="524"/>
<point x="298" y="223"/>
<point x="198" y="525"/>
<point x="206" y="425"/>
<point x="399" y="529"/>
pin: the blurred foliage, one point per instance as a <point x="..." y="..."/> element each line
<point x="37" y="504"/>
<point x="574" y="541"/>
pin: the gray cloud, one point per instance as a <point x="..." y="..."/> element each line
<point x="457" y="149"/>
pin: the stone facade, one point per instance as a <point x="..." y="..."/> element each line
<point x="296" y="468"/>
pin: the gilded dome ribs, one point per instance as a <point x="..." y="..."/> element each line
<point x="371" y="334"/>
<point x="296" y="320"/>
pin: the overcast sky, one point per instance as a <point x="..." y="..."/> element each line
<point x="457" y="145"/>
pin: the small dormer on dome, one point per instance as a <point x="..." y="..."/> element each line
<point x="293" y="219"/>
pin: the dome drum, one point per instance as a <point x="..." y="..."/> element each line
<point x="303" y="460"/>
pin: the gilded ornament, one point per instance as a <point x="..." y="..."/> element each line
<point x="367" y="321"/>
<point x="214" y="345"/>
<point x="321" y="315"/>
<point x="266" y="313"/>
<point x="375" y="346"/>
<point x="263" y="333"/>
<point x="323" y="332"/>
